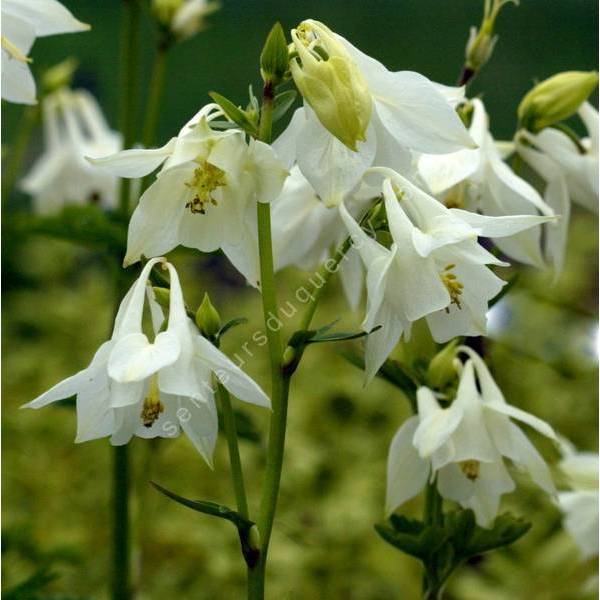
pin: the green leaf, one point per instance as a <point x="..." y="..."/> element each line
<point x="89" y="225"/>
<point x="231" y="324"/>
<point x="506" y="530"/>
<point x="283" y="102"/>
<point x="236" y="114"/>
<point x="244" y="526"/>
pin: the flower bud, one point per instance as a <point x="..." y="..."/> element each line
<point x="162" y="296"/>
<point x="274" y="59"/>
<point x="556" y="99"/>
<point x="207" y="318"/>
<point x="60" y="75"/>
<point x="442" y="368"/>
<point x="480" y="44"/>
<point x="183" y="18"/>
<point x="331" y="82"/>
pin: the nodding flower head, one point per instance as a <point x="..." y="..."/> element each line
<point x="330" y="81"/>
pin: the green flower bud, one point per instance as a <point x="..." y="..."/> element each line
<point x="442" y="368"/>
<point x="164" y="10"/>
<point x="331" y="83"/>
<point x="274" y="58"/>
<point x="60" y="75"/>
<point x="162" y="295"/>
<point x="556" y="99"/>
<point x="207" y="318"/>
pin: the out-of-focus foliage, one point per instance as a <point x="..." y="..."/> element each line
<point x="58" y="305"/>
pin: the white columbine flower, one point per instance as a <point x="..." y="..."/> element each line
<point x="205" y="194"/>
<point x="306" y="232"/>
<point x="462" y="448"/>
<point x="580" y="505"/>
<point x="434" y="268"/>
<point x="153" y="389"/>
<point x="552" y="150"/>
<point x="479" y="180"/>
<point x="22" y="22"/>
<point x="409" y="112"/>
<point x="74" y="127"/>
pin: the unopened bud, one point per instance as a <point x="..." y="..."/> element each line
<point x="183" y="18"/>
<point x="331" y="83"/>
<point x="274" y="58"/>
<point x="60" y="75"/>
<point x="442" y="368"/>
<point x="207" y="318"/>
<point x="254" y="538"/>
<point x="162" y="296"/>
<point x="482" y="41"/>
<point x="289" y="355"/>
<point x="556" y="99"/>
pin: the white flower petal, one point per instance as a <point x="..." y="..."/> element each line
<point x="406" y="472"/>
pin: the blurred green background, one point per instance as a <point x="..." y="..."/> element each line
<point x="58" y="302"/>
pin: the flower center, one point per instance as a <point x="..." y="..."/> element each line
<point x="454" y="287"/>
<point x="207" y="178"/>
<point x="470" y="468"/>
<point x="455" y="198"/>
<point x="152" y="405"/>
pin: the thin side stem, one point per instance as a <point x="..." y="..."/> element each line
<point x="121" y="556"/>
<point x="29" y="120"/>
<point x="432" y="515"/>
<point x="237" y="474"/>
<point x="326" y="270"/>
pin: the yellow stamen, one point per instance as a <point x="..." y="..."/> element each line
<point x="470" y="468"/>
<point x="152" y="405"/>
<point x="453" y="285"/>
<point x="455" y="198"/>
<point x="207" y="178"/>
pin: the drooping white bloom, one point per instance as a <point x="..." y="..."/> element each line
<point x="462" y="448"/>
<point x="479" y="180"/>
<point x="580" y="505"/>
<point x="22" y="22"/>
<point x="306" y="232"/>
<point x="189" y="17"/>
<point x="205" y="194"/>
<point x="153" y="389"/>
<point x="552" y="151"/>
<point x="409" y="113"/>
<point x="434" y="268"/>
<point x="74" y="127"/>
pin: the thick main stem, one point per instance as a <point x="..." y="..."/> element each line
<point x="121" y="559"/>
<point x="279" y="386"/>
<point x="129" y="87"/>
<point x="157" y="83"/>
<point x="121" y="587"/>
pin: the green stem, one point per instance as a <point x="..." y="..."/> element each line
<point x="29" y="119"/>
<point x="130" y="69"/>
<point x="121" y="559"/>
<point x="279" y="386"/>
<point x="157" y="83"/>
<point x="326" y="270"/>
<point x="571" y="135"/>
<point x="237" y="474"/>
<point x="432" y="515"/>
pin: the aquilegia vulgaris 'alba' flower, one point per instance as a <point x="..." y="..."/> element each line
<point x="74" y="127"/>
<point x="435" y="268"/>
<point x="206" y="192"/>
<point x="462" y="448"/>
<point x="580" y="504"/>
<point x="479" y="180"/>
<point x="153" y="389"/>
<point x="22" y="22"/>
